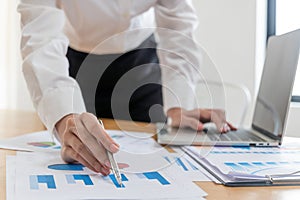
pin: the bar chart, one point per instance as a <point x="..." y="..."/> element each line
<point x="85" y="179"/>
<point x="259" y="167"/>
<point x="182" y="162"/>
<point x="252" y="150"/>
<point x="72" y="178"/>
<point x="36" y="180"/>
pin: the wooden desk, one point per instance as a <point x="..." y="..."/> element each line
<point x="13" y="123"/>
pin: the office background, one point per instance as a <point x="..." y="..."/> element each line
<point x="233" y="33"/>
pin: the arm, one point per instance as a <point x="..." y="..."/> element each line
<point x="45" y="66"/>
<point x="178" y="53"/>
<point x="56" y="96"/>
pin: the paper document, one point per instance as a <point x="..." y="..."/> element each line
<point x="250" y="164"/>
<point x="38" y="141"/>
<point x="44" y="175"/>
<point x="160" y="172"/>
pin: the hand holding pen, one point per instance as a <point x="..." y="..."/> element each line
<point x="84" y="140"/>
<point x="114" y="165"/>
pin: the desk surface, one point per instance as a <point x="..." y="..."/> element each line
<point x="14" y="123"/>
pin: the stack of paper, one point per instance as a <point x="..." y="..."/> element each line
<point x="153" y="172"/>
<point x="251" y="165"/>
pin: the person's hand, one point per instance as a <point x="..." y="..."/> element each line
<point x="196" y="118"/>
<point x="84" y="140"/>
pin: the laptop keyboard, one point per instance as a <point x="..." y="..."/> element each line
<point x="238" y="135"/>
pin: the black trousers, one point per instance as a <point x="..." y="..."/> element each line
<point x="121" y="86"/>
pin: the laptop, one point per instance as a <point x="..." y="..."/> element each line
<point x="271" y="108"/>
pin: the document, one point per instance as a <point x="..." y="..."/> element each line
<point x="41" y="141"/>
<point x="183" y="164"/>
<point x="160" y="172"/>
<point x="236" y="166"/>
<point x="45" y="176"/>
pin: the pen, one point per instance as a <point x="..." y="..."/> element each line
<point x="113" y="163"/>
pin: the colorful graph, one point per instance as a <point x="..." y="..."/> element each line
<point x="35" y="180"/>
<point x="42" y="144"/>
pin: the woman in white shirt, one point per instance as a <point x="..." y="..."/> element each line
<point x="61" y="37"/>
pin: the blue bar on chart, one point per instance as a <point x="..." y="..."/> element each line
<point x="181" y="164"/>
<point x="192" y="166"/>
<point x="271" y="163"/>
<point x="35" y="180"/>
<point x="67" y="167"/>
<point x="141" y="175"/>
<point x="167" y="159"/>
<point x="247" y="165"/>
<point x="72" y="178"/>
<point x="114" y="180"/>
<point x="156" y="176"/>
<point x="258" y="164"/>
<point x="146" y="176"/>
<point x="284" y="163"/>
<point x="235" y="166"/>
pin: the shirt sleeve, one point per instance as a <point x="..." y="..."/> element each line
<point x="179" y="54"/>
<point x="45" y="66"/>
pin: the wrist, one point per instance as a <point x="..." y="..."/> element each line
<point x="172" y="112"/>
<point x="62" y="124"/>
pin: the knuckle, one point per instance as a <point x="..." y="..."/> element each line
<point x="83" y="116"/>
<point x="70" y="121"/>
<point x="86" y="116"/>
<point x="73" y="130"/>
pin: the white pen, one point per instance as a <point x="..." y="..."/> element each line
<point x="113" y="163"/>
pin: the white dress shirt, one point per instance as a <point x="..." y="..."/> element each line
<point x="50" y="26"/>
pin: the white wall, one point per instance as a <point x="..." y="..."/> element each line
<point x="228" y="32"/>
<point x="233" y="32"/>
<point x="13" y="91"/>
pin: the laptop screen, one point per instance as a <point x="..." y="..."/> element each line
<point x="276" y="85"/>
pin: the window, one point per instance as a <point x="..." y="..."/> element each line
<point x="284" y="16"/>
